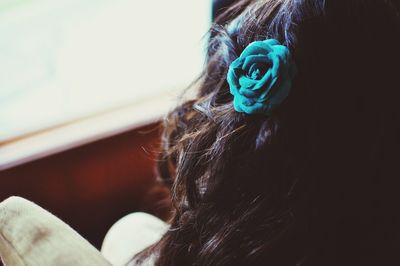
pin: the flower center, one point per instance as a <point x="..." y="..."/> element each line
<point x="257" y="71"/>
<point x="256" y="74"/>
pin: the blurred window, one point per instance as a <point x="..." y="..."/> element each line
<point x="66" y="59"/>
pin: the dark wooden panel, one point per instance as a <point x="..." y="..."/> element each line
<point x="90" y="187"/>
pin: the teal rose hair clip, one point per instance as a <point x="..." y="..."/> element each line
<point x="261" y="78"/>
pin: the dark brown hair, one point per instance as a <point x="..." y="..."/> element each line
<point x="311" y="184"/>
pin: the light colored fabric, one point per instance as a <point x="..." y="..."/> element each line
<point x="31" y="236"/>
<point x="130" y="235"/>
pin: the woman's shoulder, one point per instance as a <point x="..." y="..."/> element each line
<point x="130" y="235"/>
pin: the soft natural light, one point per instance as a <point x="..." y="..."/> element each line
<point x="67" y="59"/>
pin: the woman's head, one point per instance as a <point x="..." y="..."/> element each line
<point x="298" y="184"/>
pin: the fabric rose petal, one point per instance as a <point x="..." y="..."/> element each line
<point x="261" y="78"/>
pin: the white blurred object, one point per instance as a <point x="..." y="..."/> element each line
<point x="68" y="59"/>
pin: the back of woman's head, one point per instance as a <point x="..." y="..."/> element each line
<point x="312" y="183"/>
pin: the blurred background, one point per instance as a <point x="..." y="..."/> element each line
<point x="84" y="85"/>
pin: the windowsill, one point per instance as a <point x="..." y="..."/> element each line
<point x="79" y="132"/>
